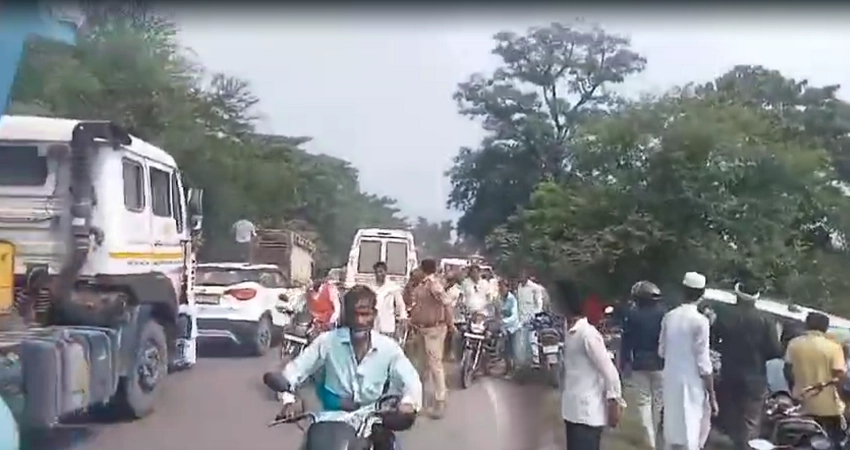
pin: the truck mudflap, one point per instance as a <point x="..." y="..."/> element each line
<point x="62" y="371"/>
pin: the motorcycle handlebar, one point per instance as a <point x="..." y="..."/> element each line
<point x="380" y="406"/>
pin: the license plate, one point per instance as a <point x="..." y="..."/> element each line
<point x="553" y="359"/>
<point x="207" y="299"/>
<point x="551" y="349"/>
<point x="294" y="338"/>
<point x="473" y="336"/>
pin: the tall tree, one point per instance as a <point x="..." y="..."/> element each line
<point x="551" y="79"/>
<point x="688" y="182"/>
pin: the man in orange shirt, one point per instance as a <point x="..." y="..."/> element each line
<point x="323" y="304"/>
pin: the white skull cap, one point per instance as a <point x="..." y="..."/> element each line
<point x="694" y="280"/>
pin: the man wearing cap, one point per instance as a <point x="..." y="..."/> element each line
<point x="687" y="383"/>
<point x="748" y="341"/>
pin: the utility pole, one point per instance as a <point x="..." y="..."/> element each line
<point x="22" y="20"/>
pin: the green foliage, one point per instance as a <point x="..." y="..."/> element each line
<point x="128" y="67"/>
<point x="739" y="177"/>
<point x="551" y="80"/>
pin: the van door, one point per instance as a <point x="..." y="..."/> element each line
<point x="135" y="217"/>
<point x="165" y="236"/>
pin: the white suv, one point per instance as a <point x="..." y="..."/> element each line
<point x="242" y="303"/>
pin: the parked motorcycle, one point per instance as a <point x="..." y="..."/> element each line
<point x="482" y="346"/>
<point x="547" y="341"/>
<point x="362" y="429"/>
<point x="786" y="426"/>
<point x="612" y="332"/>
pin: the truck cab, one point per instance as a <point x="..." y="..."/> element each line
<point x="96" y="256"/>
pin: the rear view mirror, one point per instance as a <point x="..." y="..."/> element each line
<point x="195" y="201"/>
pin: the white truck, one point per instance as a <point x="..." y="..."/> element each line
<point x="96" y="254"/>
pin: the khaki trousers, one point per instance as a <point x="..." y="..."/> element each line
<point x="431" y="344"/>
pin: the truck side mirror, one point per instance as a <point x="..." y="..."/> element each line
<point x="195" y="201"/>
<point x="197" y="224"/>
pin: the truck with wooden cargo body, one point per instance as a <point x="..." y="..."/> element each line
<point x="96" y="268"/>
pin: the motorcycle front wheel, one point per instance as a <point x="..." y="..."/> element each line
<point x="467" y="368"/>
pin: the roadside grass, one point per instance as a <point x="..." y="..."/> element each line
<point x="629" y="435"/>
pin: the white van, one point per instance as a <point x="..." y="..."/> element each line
<point x="395" y="247"/>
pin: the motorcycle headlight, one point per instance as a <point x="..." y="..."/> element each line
<point x="477" y="327"/>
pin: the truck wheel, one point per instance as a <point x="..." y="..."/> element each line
<point x="138" y="390"/>
<point x="262" y="340"/>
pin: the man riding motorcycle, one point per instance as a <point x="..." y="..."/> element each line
<point x="358" y="366"/>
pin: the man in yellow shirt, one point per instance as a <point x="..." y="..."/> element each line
<point x="815" y="358"/>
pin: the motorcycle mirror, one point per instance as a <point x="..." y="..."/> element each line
<point x="761" y="444"/>
<point x="275" y="381"/>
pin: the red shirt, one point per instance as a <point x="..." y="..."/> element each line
<point x="594" y="310"/>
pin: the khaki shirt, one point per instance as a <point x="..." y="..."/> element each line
<point x="429" y="303"/>
<point x="813" y="358"/>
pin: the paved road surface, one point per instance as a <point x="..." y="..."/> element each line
<point x="221" y="404"/>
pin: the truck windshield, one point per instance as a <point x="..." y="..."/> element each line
<point x="217" y="276"/>
<point x="397" y="258"/>
<point x="21" y="165"/>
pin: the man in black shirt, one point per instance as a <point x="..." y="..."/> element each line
<point x="641" y="328"/>
<point x="748" y="340"/>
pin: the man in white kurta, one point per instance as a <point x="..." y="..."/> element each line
<point x="683" y="343"/>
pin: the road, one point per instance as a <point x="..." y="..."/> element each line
<point x="221" y="404"/>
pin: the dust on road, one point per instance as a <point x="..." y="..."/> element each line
<point x="221" y="404"/>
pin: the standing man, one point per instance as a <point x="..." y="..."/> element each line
<point x="390" y="304"/>
<point x="815" y="358"/>
<point x="244" y="233"/>
<point x="687" y="381"/>
<point x="591" y="399"/>
<point x="747" y="342"/>
<point x="530" y="295"/>
<point x="475" y="291"/>
<point x="639" y="353"/>
<point x="510" y="323"/>
<point x="431" y="314"/>
<point x="530" y="301"/>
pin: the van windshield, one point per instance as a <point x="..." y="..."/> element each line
<point x="370" y="253"/>
<point x="397" y="258"/>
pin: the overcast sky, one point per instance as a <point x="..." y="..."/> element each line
<point x="375" y="88"/>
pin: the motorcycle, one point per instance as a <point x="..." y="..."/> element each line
<point x="786" y="426"/>
<point x="547" y="340"/>
<point x="357" y="430"/>
<point x="296" y="336"/>
<point x="482" y="346"/>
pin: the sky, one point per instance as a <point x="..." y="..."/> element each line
<point x="375" y="87"/>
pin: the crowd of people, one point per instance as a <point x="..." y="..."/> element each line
<point x="665" y="351"/>
<point x="681" y="388"/>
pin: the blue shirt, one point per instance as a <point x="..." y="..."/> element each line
<point x="343" y="377"/>
<point x="9" y="439"/>
<point x="510" y="313"/>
